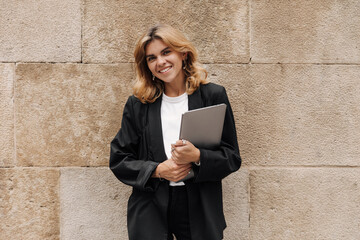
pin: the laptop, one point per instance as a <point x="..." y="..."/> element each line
<point x="203" y="126"/>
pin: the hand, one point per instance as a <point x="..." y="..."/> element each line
<point x="183" y="152"/>
<point x="172" y="171"/>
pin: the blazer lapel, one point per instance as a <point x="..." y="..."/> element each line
<point x="155" y="129"/>
<point x="195" y="100"/>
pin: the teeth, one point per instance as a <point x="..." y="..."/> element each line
<point x="165" y="70"/>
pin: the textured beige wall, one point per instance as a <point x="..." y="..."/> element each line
<point x="291" y="70"/>
<point x="7" y="115"/>
<point x="40" y="31"/>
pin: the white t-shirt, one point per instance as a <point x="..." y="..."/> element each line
<point x="171" y="110"/>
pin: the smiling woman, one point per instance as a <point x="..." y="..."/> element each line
<point x="148" y="155"/>
<point x="167" y="65"/>
<point x="166" y="41"/>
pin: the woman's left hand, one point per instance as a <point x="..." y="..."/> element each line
<point x="183" y="152"/>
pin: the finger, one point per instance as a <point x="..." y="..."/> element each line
<point x="169" y="165"/>
<point x="181" y="151"/>
<point x="180" y="176"/>
<point x="180" y="161"/>
<point x="174" y="153"/>
<point x="185" y="168"/>
<point x="178" y="158"/>
<point x="180" y="168"/>
<point x="179" y="143"/>
<point x="175" y="158"/>
<point x="185" y="172"/>
<point x="177" y="163"/>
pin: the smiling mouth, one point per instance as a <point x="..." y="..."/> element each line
<point x="165" y="70"/>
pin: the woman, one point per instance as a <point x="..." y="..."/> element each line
<point x="147" y="155"/>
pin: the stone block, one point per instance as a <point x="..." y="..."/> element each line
<point x="67" y="114"/>
<point x="40" y="31"/>
<point x="93" y="204"/>
<point x="234" y="78"/>
<point x="315" y="31"/>
<point x="220" y="30"/>
<point x="236" y="205"/>
<point x="7" y="115"/>
<point x="294" y="114"/>
<point x="305" y="203"/>
<point x="29" y="203"/>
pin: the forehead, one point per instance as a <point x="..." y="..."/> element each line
<point x="155" y="47"/>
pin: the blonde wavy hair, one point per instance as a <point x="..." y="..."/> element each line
<point x="148" y="90"/>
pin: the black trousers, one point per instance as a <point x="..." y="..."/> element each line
<point x="178" y="214"/>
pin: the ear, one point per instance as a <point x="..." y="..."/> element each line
<point x="184" y="55"/>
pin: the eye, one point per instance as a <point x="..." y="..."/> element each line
<point x="166" y="52"/>
<point x="149" y="59"/>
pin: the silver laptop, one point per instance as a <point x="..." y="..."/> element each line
<point x="203" y="126"/>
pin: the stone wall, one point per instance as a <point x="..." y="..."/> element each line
<point x="291" y="69"/>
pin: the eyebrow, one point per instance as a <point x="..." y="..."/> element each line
<point x="150" y="55"/>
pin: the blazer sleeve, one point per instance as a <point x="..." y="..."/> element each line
<point x="218" y="163"/>
<point x="124" y="162"/>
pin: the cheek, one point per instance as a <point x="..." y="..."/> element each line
<point x="151" y="67"/>
<point x="179" y="60"/>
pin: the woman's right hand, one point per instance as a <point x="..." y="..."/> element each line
<point x="172" y="171"/>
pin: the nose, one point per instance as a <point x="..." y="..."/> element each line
<point x="160" y="61"/>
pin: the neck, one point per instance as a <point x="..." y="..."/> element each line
<point x="175" y="89"/>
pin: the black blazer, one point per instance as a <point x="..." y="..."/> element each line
<point x="136" y="151"/>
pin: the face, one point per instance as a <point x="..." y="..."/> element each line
<point x="164" y="62"/>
